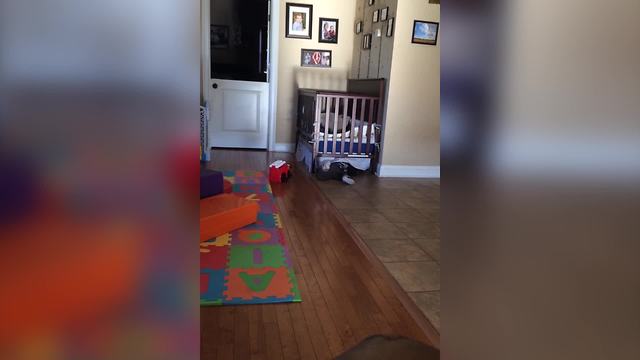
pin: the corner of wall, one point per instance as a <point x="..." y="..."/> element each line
<point x="413" y="99"/>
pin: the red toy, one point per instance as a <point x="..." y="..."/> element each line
<point x="279" y="172"/>
<point x="228" y="187"/>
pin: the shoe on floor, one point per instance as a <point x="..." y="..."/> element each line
<point x="348" y="180"/>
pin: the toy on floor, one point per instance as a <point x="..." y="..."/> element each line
<point x="279" y="171"/>
<point x="211" y="183"/>
<point x="337" y="170"/>
<point x="224" y="213"/>
<point x="228" y="187"/>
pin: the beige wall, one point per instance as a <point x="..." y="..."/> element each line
<point x="374" y="63"/>
<point x="412" y="129"/>
<point x="291" y="76"/>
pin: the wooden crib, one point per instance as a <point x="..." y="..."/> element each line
<point x="335" y="124"/>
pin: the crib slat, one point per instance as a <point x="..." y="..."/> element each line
<point x="335" y="126"/>
<point x="362" y="121"/>
<point x="370" y="127"/>
<point x="316" y="131"/>
<point x="345" y="110"/>
<point x="354" y="104"/>
<point x="326" y="124"/>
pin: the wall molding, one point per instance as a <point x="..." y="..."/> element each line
<point x="430" y="172"/>
<point x="284" y="147"/>
<point x="274" y="53"/>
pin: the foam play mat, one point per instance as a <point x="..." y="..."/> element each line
<point x="250" y="265"/>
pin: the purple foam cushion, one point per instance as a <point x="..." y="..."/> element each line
<point x="211" y="183"/>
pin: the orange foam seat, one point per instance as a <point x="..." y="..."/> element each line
<point x="224" y="213"/>
<point x="53" y="278"/>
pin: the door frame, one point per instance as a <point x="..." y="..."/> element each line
<point x="272" y="66"/>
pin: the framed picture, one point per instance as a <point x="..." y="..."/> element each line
<point x="315" y="58"/>
<point x="384" y="14"/>
<point x="299" y="21"/>
<point x="328" y="31"/>
<point x="371" y="2"/>
<point x="425" y="32"/>
<point x="219" y="36"/>
<point x="358" y="27"/>
<point x="376" y="16"/>
<point x="366" y="41"/>
<point x="390" y="27"/>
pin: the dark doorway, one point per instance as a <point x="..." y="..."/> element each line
<point x="239" y="39"/>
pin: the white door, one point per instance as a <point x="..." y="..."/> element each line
<point x="239" y="114"/>
<point x="238" y="84"/>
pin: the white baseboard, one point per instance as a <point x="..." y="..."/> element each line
<point x="285" y="147"/>
<point x="432" y="172"/>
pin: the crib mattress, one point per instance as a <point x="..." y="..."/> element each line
<point x="356" y="128"/>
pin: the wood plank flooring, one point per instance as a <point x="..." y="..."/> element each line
<point x="346" y="297"/>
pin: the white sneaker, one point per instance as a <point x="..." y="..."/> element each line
<point x="326" y="165"/>
<point x="348" y="180"/>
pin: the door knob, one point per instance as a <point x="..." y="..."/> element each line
<point x="215" y="86"/>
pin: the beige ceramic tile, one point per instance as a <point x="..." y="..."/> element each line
<point x="416" y="276"/>
<point x="419" y="202"/>
<point x="388" y="183"/>
<point x="397" y="250"/>
<point x="362" y="215"/>
<point x="350" y="203"/>
<point x="341" y="193"/>
<point x="411" y="193"/>
<point x="426" y="229"/>
<point x="429" y="303"/>
<point x="388" y="202"/>
<point x="431" y="246"/>
<point x="402" y="215"/>
<point x="378" y="231"/>
<point x="330" y="184"/>
<point x="432" y="213"/>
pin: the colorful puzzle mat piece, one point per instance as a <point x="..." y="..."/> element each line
<point x="256" y="236"/>
<point x="215" y="258"/>
<point x="212" y="285"/>
<point x="250" y="189"/>
<point x="250" y="265"/>
<point x="248" y="284"/>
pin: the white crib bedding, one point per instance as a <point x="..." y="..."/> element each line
<point x="358" y="128"/>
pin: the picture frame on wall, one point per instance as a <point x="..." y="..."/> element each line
<point x="384" y="14"/>
<point x="425" y="32"/>
<point x="219" y="36"/>
<point x="299" y="21"/>
<point x="328" y="32"/>
<point x="390" y="27"/>
<point x="316" y="58"/>
<point x="376" y="16"/>
<point x="358" y="27"/>
<point x="366" y="41"/>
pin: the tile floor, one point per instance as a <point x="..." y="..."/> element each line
<point x="400" y="221"/>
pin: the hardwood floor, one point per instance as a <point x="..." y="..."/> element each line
<point x="401" y="227"/>
<point x="346" y="295"/>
